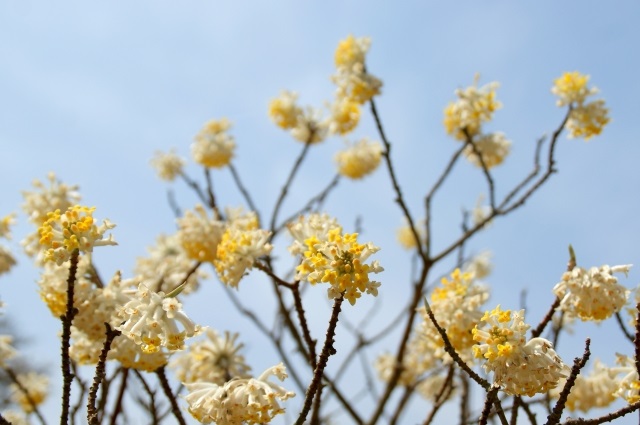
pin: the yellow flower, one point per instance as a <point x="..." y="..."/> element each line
<point x="213" y="146"/>
<point x="571" y="88"/>
<point x="359" y="159"/>
<point x="473" y="107"/>
<point x="588" y="120"/>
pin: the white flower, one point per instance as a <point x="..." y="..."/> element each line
<point x="595" y="390"/>
<point x="151" y="321"/>
<point x="215" y="359"/>
<point x="284" y="110"/>
<point x="213" y="147"/>
<point x="480" y="265"/>
<point x="629" y="385"/>
<point x="36" y="386"/>
<point x="6" y="350"/>
<point x="311" y="226"/>
<point x="251" y="400"/>
<point x="493" y="147"/>
<point x="168" y="165"/>
<point x="199" y="234"/>
<point x="359" y="159"/>
<point x="593" y="294"/>
<point x="310" y="127"/>
<point x="519" y="367"/>
<point x="474" y="107"/>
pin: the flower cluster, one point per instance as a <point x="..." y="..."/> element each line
<point x="359" y="159"/>
<point x="151" y="319"/>
<point x="456" y="307"/>
<point x="213" y="146"/>
<point x="519" y="367"/>
<point x="586" y="119"/>
<point x="593" y="294"/>
<point x="200" y="235"/>
<point x="418" y="359"/>
<point x="239" y="400"/>
<point x="305" y="125"/>
<point x="241" y="244"/>
<point x="6" y="257"/>
<point x="63" y="233"/>
<point x="36" y="387"/>
<point x="340" y="261"/>
<point x="215" y="359"/>
<point x="629" y="385"/>
<point x="474" y="106"/>
<point x="353" y="81"/>
<point x="406" y="237"/>
<point x="592" y="391"/>
<point x="41" y="201"/>
<point x="493" y="149"/>
<point x="316" y="226"/>
<point x="168" y="165"/>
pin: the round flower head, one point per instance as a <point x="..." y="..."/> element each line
<point x="456" y="306"/>
<point x="473" y="107"/>
<point x="62" y="234"/>
<point x="480" y="265"/>
<point x="151" y="321"/>
<point x="242" y="243"/>
<point x="519" y="367"/>
<point x="419" y="359"/>
<point x="311" y="226"/>
<point x="351" y="51"/>
<point x="199" y="235"/>
<point x="215" y="359"/>
<point x="588" y="120"/>
<point x="406" y="238"/>
<point x="36" y="386"/>
<point x="356" y="84"/>
<point x="6" y="349"/>
<point x="493" y="147"/>
<point x="345" y="115"/>
<point x="5" y="226"/>
<point x="340" y="262"/>
<point x="310" y="127"/>
<point x="359" y="159"/>
<point x="168" y="165"/>
<point x="241" y="400"/>
<point x="7" y="261"/>
<point x="213" y="147"/>
<point x="593" y="294"/>
<point x="571" y="88"/>
<point x="284" y="111"/>
<point x="592" y="391"/>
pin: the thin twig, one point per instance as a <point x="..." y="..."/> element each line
<point x="67" y="319"/>
<point x="175" y="409"/>
<point x="92" y="412"/>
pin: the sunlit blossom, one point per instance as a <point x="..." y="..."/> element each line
<point x="213" y="146"/>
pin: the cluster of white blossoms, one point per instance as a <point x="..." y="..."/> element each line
<point x="313" y="225"/>
<point x="629" y="384"/>
<point x="463" y="120"/>
<point x="339" y="260"/>
<point x="519" y="367"/>
<point x="418" y="359"/>
<point x="593" y="294"/>
<point x="239" y="400"/>
<point x="406" y="237"/>
<point x="492" y="147"/>
<point x="592" y="391"/>
<point x="168" y="165"/>
<point x="199" y="234"/>
<point x="586" y="119"/>
<point x="359" y="159"/>
<point x="456" y="306"/>
<point x="216" y="359"/>
<point x="7" y="261"/>
<point x="353" y="81"/>
<point x="305" y="124"/>
<point x="242" y="243"/>
<point x="63" y="233"/>
<point x="166" y="266"/>
<point x="214" y="146"/>
<point x="151" y="320"/>
<point x="41" y="201"/>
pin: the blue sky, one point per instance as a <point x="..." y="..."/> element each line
<point x="92" y="90"/>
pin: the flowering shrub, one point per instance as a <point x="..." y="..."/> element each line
<point x="452" y="341"/>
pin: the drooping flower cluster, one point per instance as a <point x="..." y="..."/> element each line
<point x="200" y="235"/>
<point x="41" y="201"/>
<point x="359" y="159"/>
<point x="593" y="294"/>
<point x="353" y="81"/>
<point x="215" y="360"/>
<point x="239" y="400"/>
<point x="305" y="125"/>
<point x="151" y="321"/>
<point x="492" y="147"/>
<point x="339" y="260"/>
<point x="592" y="391"/>
<point x="519" y="367"/>
<point x="63" y="233"/>
<point x="214" y="146"/>
<point x="587" y="119"/>
<point x="456" y="306"/>
<point x="241" y="244"/>
<point x="168" y="165"/>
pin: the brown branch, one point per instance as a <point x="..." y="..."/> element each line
<point x="327" y="350"/>
<point x="117" y="408"/>
<point x="92" y="412"/>
<point x="243" y="190"/>
<point x="606" y="418"/>
<point x="67" y="319"/>
<point x="578" y="364"/>
<point x="175" y="409"/>
<point x="14" y="378"/>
